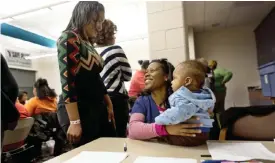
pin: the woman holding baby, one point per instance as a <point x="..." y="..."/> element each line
<point x="154" y="102"/>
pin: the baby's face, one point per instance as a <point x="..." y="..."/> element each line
<point x="177" y="81"/>
<point x="181" y="78"/>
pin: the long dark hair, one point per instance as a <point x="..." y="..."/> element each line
<point x="168" y="69"/>
<point x="43" y="90"/>
<point x="83" y="12"/>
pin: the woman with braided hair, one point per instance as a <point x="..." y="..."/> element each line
<point x="152" y="103"/>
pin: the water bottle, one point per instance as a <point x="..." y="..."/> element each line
<point x="50" y="143"/>
<point x="45" y="150"/>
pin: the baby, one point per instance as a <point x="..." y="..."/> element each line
<point x="189" y="97"/>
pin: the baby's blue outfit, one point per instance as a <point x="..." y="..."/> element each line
<point x="185" y="104"/>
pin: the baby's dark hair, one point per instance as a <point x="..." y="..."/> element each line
<point x="43" y="90"/>
<point x="144" y="63"/>
<point x="195" y="69"/>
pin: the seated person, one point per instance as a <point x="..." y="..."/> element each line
<point x="137" y="82"/>
<point x="154" y="102"/>
<point x="21" y="109"/>
<point x="44" y="100"/>
<point x="189" y="98"/>
<point x="23" y="97"/>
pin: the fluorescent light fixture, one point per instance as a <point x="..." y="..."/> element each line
<point x="37" y="12"/>
<point x="40" y="56"/>
<point x="6" y="20"/>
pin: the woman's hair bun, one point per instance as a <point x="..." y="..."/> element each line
<point x="140" y="62"/>
<point x="41" y="82"/>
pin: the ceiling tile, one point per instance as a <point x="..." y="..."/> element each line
<point x="217" y="12"/>
<point x="194" y="12"/>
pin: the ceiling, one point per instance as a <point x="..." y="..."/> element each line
<point x="209" y="15"/>
<point x="130" y="17"/>
<point x="53" y="21"/>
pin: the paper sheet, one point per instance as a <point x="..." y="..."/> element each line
<point x="239" y="151"/>
<point x="143" y="159"/>
<point x="102" y="157"/>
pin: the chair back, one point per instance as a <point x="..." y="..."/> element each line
<point x="255" y="127"/>
<point x="20" y="133"/>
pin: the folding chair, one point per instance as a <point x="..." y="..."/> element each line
<point x="13" y="143"/>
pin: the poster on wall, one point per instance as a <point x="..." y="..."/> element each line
<point x="17" y="59"/>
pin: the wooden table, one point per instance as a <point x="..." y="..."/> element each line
<point x="142" y="148"/>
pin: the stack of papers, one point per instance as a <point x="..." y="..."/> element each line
<point x="100" y="157"/>
<point x="142" y="159"/>
<point x="239" y="151"/>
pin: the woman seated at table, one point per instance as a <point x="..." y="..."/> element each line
<point x="44" y="100"/>
<point x="155" y="101"/>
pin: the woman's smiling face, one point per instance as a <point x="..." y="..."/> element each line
<point x="154" y="76"/>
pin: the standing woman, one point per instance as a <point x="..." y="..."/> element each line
<point x="80" y="65"/>
<point x="116" y="71"/>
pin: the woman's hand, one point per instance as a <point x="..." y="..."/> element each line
<point x="183" y="129"/>
<point x="74" y="133"/>
<point x="111" y="116"/>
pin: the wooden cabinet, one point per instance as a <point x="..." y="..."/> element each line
<point x="256" y="97"/>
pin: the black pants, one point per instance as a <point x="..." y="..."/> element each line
<point x="121" y="111"/>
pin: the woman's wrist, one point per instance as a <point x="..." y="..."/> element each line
<point x="161" y="130"/>
<point x="75" y="122"/>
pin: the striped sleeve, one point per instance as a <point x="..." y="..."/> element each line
<point x="68" y="58"/>
<point x="115" y="57"/>
<point x="125" y="67"/>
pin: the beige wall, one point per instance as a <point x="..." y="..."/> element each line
<point x="191" y="43"/>
<point x="235" y="50"/>
<point x="167" y="30"/>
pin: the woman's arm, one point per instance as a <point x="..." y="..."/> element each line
<point x="140" y="130"/>
<point x="227" y="75"/>
<point x="68" y="55"/>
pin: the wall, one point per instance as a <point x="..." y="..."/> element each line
<point x="48" y="68"/>
<point x="191" y="43"/>
<point x="167" y="30"/>
<point x="235" y="50"/>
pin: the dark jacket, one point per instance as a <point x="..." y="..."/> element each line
<point x="9" y="92"/>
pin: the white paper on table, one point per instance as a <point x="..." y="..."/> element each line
<point x="143" y="159"/>
<point x="239" y="151"/>
<point x="100" y="157"/>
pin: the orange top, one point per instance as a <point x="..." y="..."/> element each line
<point x="37" y="106"/>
